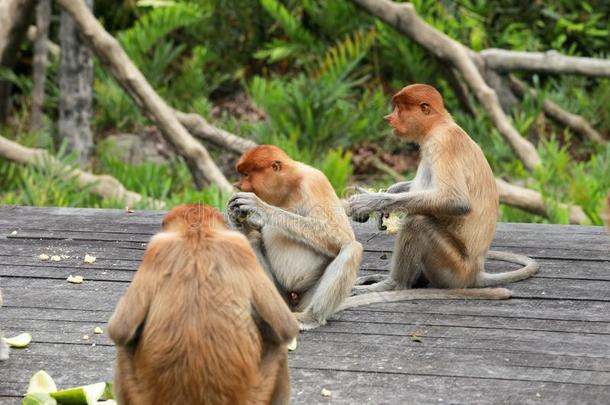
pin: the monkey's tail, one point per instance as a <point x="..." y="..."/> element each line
<point x="530" y="267"/>
<point x="426" y="294"/>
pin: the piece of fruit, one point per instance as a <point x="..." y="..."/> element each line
<point x="41" y="382"/>
<point x="55" y="258"/>
<point x="19" y="341"/>
<point x="88" y="394"/>
<point x="292" y="345"/>
<point x="98" y="330"/>
<point x="43" y="257"/>
<point x="108" y="392"/>
<point x="39" y="398"/>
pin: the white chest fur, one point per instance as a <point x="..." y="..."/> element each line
<point x="295" y="265"/>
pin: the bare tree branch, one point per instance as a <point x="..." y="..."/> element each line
<point x="52" y="47"/>
<point x="103" y="185"/>
<point x="573" y="121"/>
<point x="203" y="130"/>
<point x="531" y="201"/>
<point x="43" y="19"/>
<point x="112" y="55"/>
<point x="404" y="18"/>
<point x="544" y="62"/>
<point x="15" y="17"/>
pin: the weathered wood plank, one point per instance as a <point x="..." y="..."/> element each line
<point x="550" y="344"/>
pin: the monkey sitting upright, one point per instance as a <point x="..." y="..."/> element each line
<point x="299" y="231"/>
<point x="201" y="323"/>
<point x="451" y="204"/>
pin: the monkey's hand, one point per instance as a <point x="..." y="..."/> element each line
<point x="252" y="209"/>
<point x="362" y="205"/>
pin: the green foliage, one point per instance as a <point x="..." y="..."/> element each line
<point x="337" y="167"/>
<point x="323" y="71"/>
<point x="177" y="73"/>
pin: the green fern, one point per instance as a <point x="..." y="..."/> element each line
<point x="157" y="24"/>
<point x="292" y="27"/>
<point x="341" y="59"/>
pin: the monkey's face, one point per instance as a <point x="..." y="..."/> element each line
<point x="409" y="121"/>
<point x="416" y="109"/>
<point x="266" y="183"/>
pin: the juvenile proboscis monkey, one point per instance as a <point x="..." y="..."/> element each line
<point x="451" y="207"/>
<point x="3" y="345"/>
<point x="201" y="323"/>
<point x="299" y="230"/>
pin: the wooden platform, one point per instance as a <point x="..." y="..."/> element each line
<point x="549" y="344"/>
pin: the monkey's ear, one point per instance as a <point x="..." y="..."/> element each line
<point x="425" y="108"/>
<point x="276" y="165"/>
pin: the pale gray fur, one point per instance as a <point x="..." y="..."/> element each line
<point x="530" y="267"/>
<point x="425" y="294"/>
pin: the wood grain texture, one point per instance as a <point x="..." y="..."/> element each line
<point x="549" y="344"/>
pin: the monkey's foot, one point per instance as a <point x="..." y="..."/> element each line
<point x="309" y="326"/>
<point x="307" y="321"/>
<point x="365" y="280"/>
<point x="386" y="285"/>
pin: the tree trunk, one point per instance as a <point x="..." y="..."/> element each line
<point x="112" y="55"/>
<point x="43" y="17"/>
<point x="75" y="88"/>
<point x="15" y="17"/>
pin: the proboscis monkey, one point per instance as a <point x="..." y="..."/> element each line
<point x="451" y="206"/>
<point x="299" y="230"/>
<point x="3" y="345"/>
<point x="201" y="323"/>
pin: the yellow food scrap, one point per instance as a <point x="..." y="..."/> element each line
<point x="55" y="258"/>
<point x="98" y="330"/>
<point x="292" y="345"/>
<point x="325" y="392"/>
<point x="89" y="259"/>
<point x="43" y="257"/>
<point x="392" y="223"/>
<point x="75" y="279"/>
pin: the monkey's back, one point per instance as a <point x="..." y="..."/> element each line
<point x="200" y="344"/>
<point x="479" y="226"/>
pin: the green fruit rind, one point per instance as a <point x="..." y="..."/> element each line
<point x="88" y="394"/>
<point x="38" y="398"/>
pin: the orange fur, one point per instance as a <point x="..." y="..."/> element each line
<point x="201" y="323"/>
